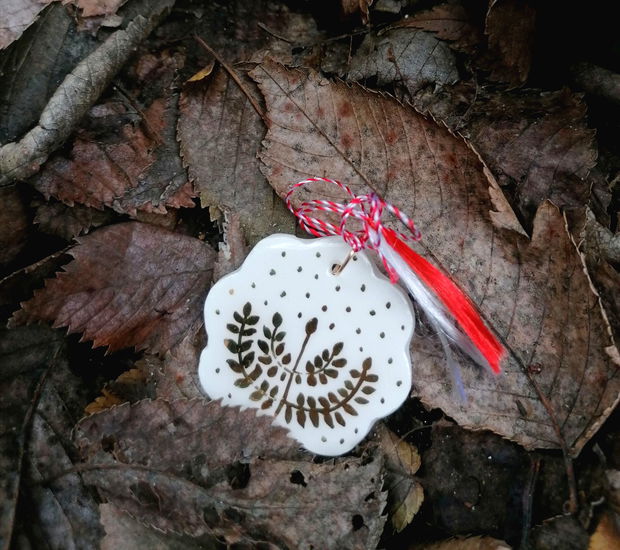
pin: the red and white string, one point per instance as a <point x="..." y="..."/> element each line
<point x="368" y="209"/>
<point x="434" y="291"/>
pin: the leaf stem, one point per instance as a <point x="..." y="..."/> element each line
<point x="310" y="330"/>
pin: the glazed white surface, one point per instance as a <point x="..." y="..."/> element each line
<point x="369" y="318"/>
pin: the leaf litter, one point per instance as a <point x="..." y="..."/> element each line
<point x="373" y="142"/>
<point x="499" y="195"/>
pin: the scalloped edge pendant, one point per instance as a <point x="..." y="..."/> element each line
<point x="326" y="355"/>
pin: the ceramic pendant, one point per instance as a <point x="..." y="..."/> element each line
<point x="326" y="355"/>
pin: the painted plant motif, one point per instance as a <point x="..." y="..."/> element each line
<point x="276" y="380"/>
<point x="324" y="355"/>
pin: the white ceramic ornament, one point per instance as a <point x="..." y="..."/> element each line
<point x="326" y="355"/>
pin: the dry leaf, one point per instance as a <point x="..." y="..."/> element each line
<point x="535" y="294"/>
<point x="14" y="224"/>
<point x="122" y="532"/>
<point x="235" y="476"/>
<point x="68" y="222"/>
<point x="408" y="56"/>
<point x="17" y="16"/>
<point x="39" y="400"/>
<point x="220" y="137"/>
<point x="451" y="22"/>
<point x="118" y="163"/>
<point x="537" y="145"/>
<point x="130" y="284"/>
<point x="464" y="543"/>
<point x="402" y="461"/>
<point x="77" y="92"/>
<point x="25" y="354"/>
<point x="510" y="26"/>
<point x="601" y="250"/>
<point x="33" y="67"/>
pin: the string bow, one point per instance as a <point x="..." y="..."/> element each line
<point x="445" y="304"/>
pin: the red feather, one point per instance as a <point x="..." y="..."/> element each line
<point x="453" y="299"/>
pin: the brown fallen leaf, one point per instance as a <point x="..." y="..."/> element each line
<point x="68" y="222"/>
<point x="537" y="145"/>
<point x="450" y="21"/>
<point x="128" y="171"/>
<point x="39" y="400"/>
<point x="220" y="136"/>
<point x="534" y="293"/>
<point x="122" y="532"/>
<point x="235" y="476"/>
<point x="33" y="67"/>
<point x="17" y="16"/>
<point x="464" y="543"/>
<point x="77" y="92"/>
<point x="510" y="26"/>
<point x="408" y="56"/>
<point x="130" y="284"/>
<point x="14" y="224"/>
<point x="601" y="250"/>
<point x="24" y="355"/>
<point x="402" y="461"/>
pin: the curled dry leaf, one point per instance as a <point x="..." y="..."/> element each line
<point x="534" y="293"/>
<point x="130" y="284"/>
<point x="220" y="137"/>
<point x="235" y="476"/>
<point x="537" y="144"/>
<point x="450" y="21"/>
<point x="404" y="55"/>
<point x="17" y="16"/>
<point x="72" y="99"/>
<point x="510" y="26"/>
